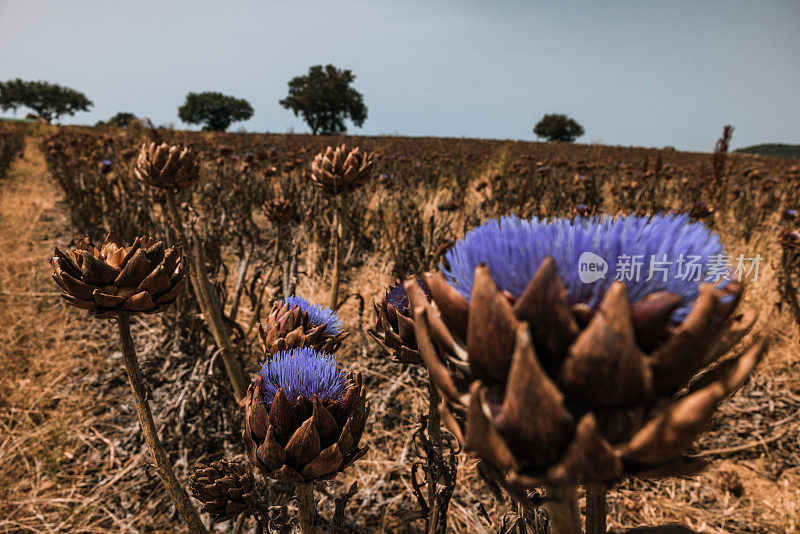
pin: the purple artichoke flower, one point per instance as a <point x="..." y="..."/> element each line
<point x="298" y="322"/>
<point x="556" y="373"/>
<point x="304" y="416"/>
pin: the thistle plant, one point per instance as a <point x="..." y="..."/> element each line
<point x="339" y="171"/>
<point x="394" y="331"/>
<point x="296" y="322"/>
<point x="225" y="489"/>
<point x="304" y="417"/>
<point x="115" y="281"/>
<point x="394" y="326"/>
<point x="557" y="379"/>
<point x="166" y="166"/>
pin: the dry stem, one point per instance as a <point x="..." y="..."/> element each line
<point x="164" y="469"/>
<point x="595" y="509"/>
<point x="562" y="508"/>
<point x="209" y="303"/>
<point x="306" y="506"/>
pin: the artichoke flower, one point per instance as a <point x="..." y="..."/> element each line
<point x="296" y="322"/>
<point x="225" y="489"/>
<point x="554" y="373"/>
<point x="142" y="278"/>
<point x="339" y="169"/>
<point x="166" y="166"/>
<point x="394" y="327"/>
<point x="304" y="417"/>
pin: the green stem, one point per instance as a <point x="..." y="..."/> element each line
<point x="306" y="506"/>
<point x="163" y="467"/>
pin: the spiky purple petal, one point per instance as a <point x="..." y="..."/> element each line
<point x="397" y="296"/>
<point x="513" y="249"/>
<point x="318" y="315"/>
<point x="303" y="372"/>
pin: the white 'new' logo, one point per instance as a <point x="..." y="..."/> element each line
<point x="591" y="267"/>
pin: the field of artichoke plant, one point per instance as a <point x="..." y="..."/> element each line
<point x="279" y="333"/>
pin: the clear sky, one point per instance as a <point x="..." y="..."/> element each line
<point x="650" y="73"/>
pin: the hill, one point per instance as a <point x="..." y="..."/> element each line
<point x="777" y="150"/>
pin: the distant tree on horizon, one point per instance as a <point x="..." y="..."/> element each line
<point x="558" y="127"/>
<point x="49" y="101"/>
<point x="215" y="111"/>
<point x="122" y="119"/>
<point x="325" y="99"/>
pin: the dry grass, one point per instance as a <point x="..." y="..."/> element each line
<point x="70" y="460"/>
<point x="59" y="463"/>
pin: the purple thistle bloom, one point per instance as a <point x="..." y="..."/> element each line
<point x="513" y="249"/>
<point x="303" y="372"/>
<point x="317" y="315"/>
<point x="397" y="296"/>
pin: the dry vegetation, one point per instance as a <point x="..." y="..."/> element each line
<point x="71" y="457"/>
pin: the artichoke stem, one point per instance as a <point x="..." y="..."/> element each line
<point x="334" y="296"/>
<point x="339" y="226"/>
<point x="306" y="506"/>
<point x="595" y="509"/>
<point x="562" y="510"/>
<point x="434" y="459"/>
<point x="213" y="315"/>
<point x="289" y="268"/>
<point x="164" y="469"/>
<point x="207" y="301"/>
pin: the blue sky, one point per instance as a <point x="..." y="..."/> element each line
<point x="650" y="73"/>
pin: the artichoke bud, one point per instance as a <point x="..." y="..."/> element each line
<point x="166" y="166"/>
<point x="339" y="170"/>
<point x="225" y="489"/>
<point x="141" y="278"/>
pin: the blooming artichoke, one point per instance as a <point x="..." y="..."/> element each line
<point x="296" y="322"/>
<point x="114" y="279"/>
<point x="226" y="489"/>
<point x="166" y="166"/>
<point x="394" y="327"/>
<point x="340" y="169"/>
<point x="304" y="417"/>
<point x="556" y="377"/>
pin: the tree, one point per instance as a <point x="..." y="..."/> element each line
<point x="325" y="99"/>
<point x="557" y="127"/>
<point x="122" y="119"/>
<point x="214" y="110"/>
<point x="48" y="100"/>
